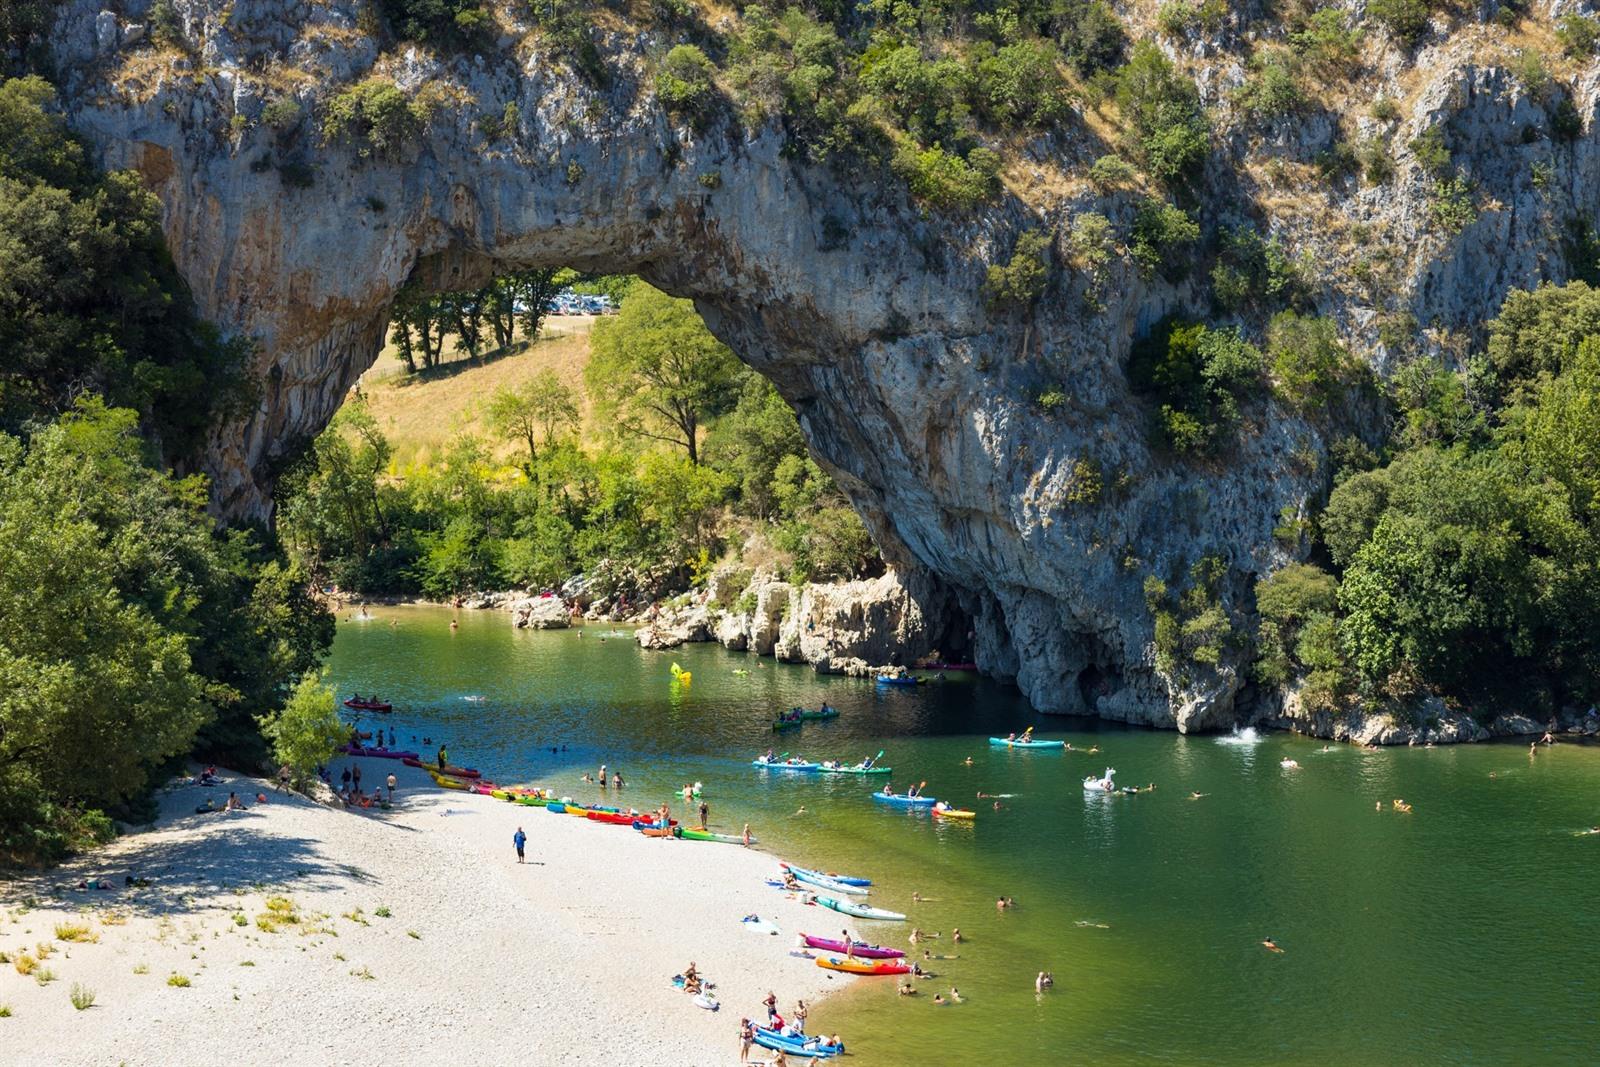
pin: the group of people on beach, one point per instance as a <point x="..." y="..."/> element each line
<point x="351" y="794"/>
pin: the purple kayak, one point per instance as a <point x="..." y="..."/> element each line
<point x="865" y="951"/>
<point x="376" y="753"/>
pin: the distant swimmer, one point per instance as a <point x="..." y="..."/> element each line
<point x="1094" y="749"/>
<point x="1289" y="765"/>
<point x="1327" y="748"/>
<point x="968" y="761"/>
<point x="1198" y="796"/>
<point x="1270" y="945"/>
<point x="1400" y="805"/>
<point x="1090" y="923"/>
<point x="802" y="810"/>
<point x="1043" y="982"/>
<point x="1586" y="833"/>
<point x="998" y="806"/>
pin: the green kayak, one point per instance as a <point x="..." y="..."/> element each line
<point x="797" y="716"/>
<point x="832" y="767"/>
<point x="707" y="835"/>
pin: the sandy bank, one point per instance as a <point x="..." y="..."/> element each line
<point x="565" y="960"/>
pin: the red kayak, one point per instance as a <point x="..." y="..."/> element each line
<point x="367" y="705"/>
<point x="865" y="951"/>
<point x="615" y="818"/>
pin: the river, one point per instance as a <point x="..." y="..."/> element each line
<point x="1462" y="933"/>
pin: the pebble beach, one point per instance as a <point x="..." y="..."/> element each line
<point x="300" y="932"/>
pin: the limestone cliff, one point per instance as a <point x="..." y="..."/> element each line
<point x="863" y="308"/>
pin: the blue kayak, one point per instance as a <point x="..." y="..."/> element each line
<point x="1018" y="742"/>
<point x="905" y="801"/>
<point x="799" y="871"/>
<point x="799" y="1045"/>
<point x="898" y="679"/>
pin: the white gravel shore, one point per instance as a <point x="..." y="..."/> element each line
<point x="564" y="960"/>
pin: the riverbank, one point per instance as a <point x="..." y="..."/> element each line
<point x="313" y="934"/>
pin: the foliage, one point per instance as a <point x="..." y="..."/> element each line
<point x="1327" y="45"/>
<point x="1431" y="153"/>
<point x="1198" y="376"/>
<point x="1272" y="91"/>
<point x="1452" y="208"/>
<point x="1019" y="85"/>
<point x="544" y="407"/>
<point x="376" y="117"/>
<point x="1539" y="331"/>
<point x="448" y="23"/>
<point x="89" y="297"/>
<point x="751" y="441"/>
<point x="1406" y="20"/>
<point x="1110" y="171"/>
<point x="1167" y="125"/>
<point x="1092" y="242"/>
<point x="684" y="83"/>
<point x="658" y="372"/>
<point x="1162" y="235"/>
<point x="306" y="730"/>
<point x="945" y="179"/>
<point x="1578" y="34"/>
<point x="1022" y="280"/>
<point x="1310" y="365"/>
<point x="1252" y="271"/>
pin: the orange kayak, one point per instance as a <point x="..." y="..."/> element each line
<point x="834" y="963"/>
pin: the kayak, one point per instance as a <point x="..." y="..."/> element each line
<point x="803" y="715"/>
<point x="903" y="800"/>
<point x="834" y="963"/>
<point x="954" y="813"/>
<point x="368" y="705"/>
<point x="657" y="831"/>
<point x="860" y="911"/>
<point x="832" y="885"/>
<point x="375" y="753"/>
<point x="707" y="835"/>
<point x="845" y="878"/>
<point x="786" y="724"/>
<point x="838" y="768"/>
<point x="785" y="765"/>
<point x="798" y="1045"/>
<point x="898" y="679"/>
<point x="614" y="818"/>
<point x="1017" y="742"/>
<point x="451" y="783"/>
<point x="857" y="948"/>
<point x="530" y="800"/>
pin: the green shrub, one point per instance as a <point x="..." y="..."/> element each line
<point x="1020" y="85"/>
<point x="281" y="114"/>
<point x="1163" y="234"/>
<point x="449" y="23"/>
<point x="1327" y="45"/>
<point x="1022" y="280"/>
<point x="944" y="179"/>
<point x="1272" y="91"/>
<point x="1050" y="400"/>
<point x="178" y="981"/>
<point x="1377" y="161"/>
<point x="81" y="996"/>
<point x="1431" y="153"/>
<point x="1111" y="171"/>
<point x="1406" y="20"/>
<point x="1092" y="38"/>
<point x="1452" y="208"/>
<point x="1167" y="125"/>
<point x="1565" y="122"/>
<point x="684" y="83"/>
<point x="1252" y="271"/>
<point x="1578" y="34"/>
<point x="1180" y="18"/>
<point x="376" y="117"/>
<point x="1384" y="109"/>
<point x="1309" y="364"/>
<point x="1199" y="376"/>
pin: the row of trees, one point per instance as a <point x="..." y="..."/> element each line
<point x="695" y="447"/>
<point x="477" y="320"/>
<point x="1468" y="564"/>
<point x="132" y="629"/>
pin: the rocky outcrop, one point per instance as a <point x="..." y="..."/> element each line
<point x="856" y="628"/>
<point x="864" y="309"/>
<point x="540" y="613"/>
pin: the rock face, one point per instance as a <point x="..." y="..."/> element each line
<point x="853" y="628"/>
<point x="865" y="310"/>
<point x="540" y="613"/>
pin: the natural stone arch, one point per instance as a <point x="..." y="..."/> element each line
<point x="865" y="310"/>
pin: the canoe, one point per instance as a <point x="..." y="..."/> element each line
<point x="898" y="679"/>
<point x="786" y="724"/>
<point x="707" y="835"/>
<point x="376" y="753"/>
<point x="808" y="715"/>
<point x="860" y="911"/>
<point x="1019" y="743"/>
<point x="799" y="1045"/>
<point x="954" y="813"/>
<point x="845" y="878"/>
<point x="834" y="963"/>
<point x="451" y="783"/>
<point x="785" y="765"/>
<point x="614" y="818"/>
<point x="368" y="705"/>
<point x="857" y="948"/>
<point x="825" y="769"/>
<point x="832" y="885"/>
<point x="904" y="801"/>
<point x="656" y="831"/>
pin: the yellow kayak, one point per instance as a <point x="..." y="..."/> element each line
<point x="955" y="813"/>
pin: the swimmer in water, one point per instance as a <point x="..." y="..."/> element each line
<point x="1270" y="945"/>
<point x="1586" y="833"/>
<point x="1198" y="796"/>
<point x="802" y="810"/>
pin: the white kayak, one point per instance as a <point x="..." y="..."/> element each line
<point x="822" y="881"/>
<point x="860" y="911"/>
<point x="703" y="1001"/>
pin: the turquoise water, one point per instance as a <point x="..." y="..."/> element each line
<point x="1463" y="933"/>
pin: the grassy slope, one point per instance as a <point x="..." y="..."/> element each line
<point x="421" y="414"/>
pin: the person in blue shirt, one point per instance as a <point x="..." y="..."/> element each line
<point x="519" y="839"/>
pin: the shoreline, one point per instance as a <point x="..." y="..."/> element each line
<point x="567" y="959"/>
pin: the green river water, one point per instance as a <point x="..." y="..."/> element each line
<point x="1464" y="933"/>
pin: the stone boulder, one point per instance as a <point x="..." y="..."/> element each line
<point x="540" y="613"/>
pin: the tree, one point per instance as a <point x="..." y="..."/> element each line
<point x="546" y="405"/>
<point x="419" y="327"/>
<point x="306" y="730"/>
<point x="658" y="371"/>
<point x="1309" y="364"/>
<point x="1167" y="125"/>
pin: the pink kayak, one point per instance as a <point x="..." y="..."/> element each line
<point x="376" y="753"/>
<point x="865" y="951"/>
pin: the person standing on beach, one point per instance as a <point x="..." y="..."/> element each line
<point x="747" y="1037"/>
<point x="391" y="784"/>
<point x="772" y="1005"/>
<point x="705" y="810"/>
<point x="519" y="839"/>
<point x="355" y="777"/>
